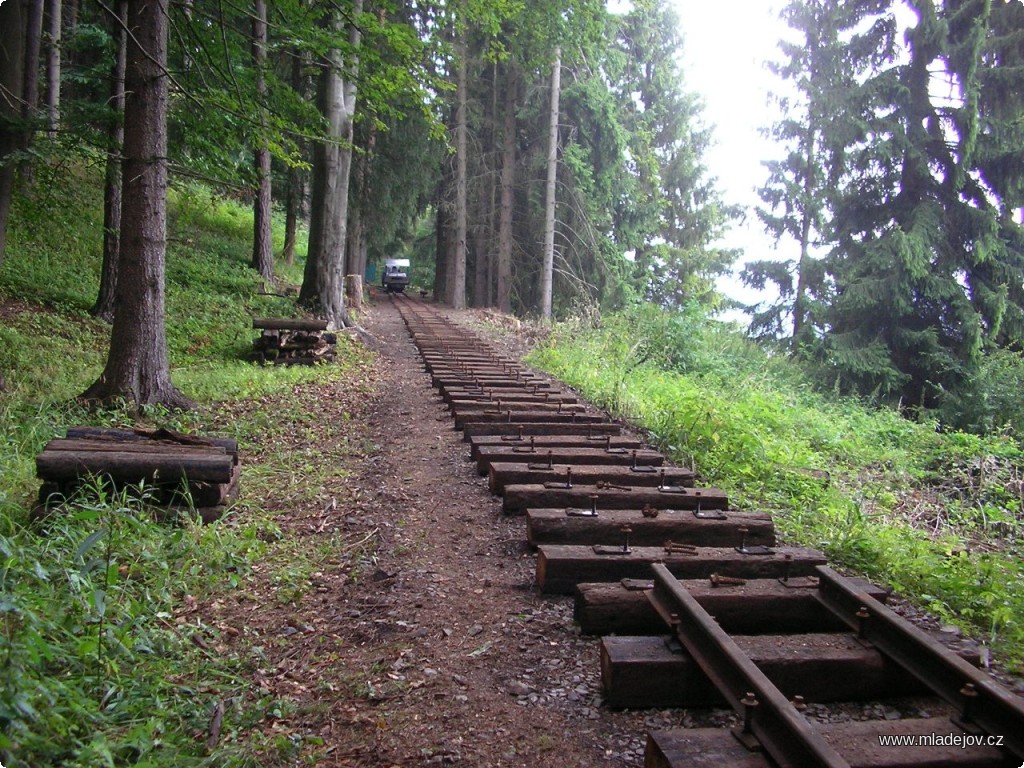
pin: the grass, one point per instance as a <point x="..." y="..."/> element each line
<point x="936" y="514"/>
<point x="102" y="661"/>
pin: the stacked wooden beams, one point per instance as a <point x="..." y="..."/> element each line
<point x="293" y="342"/>
<point x="168" y="468"/>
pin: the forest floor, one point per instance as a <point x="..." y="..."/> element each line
<point x="422" y="641"/>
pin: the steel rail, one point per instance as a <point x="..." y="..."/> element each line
<point x="770" y="718"/>
<point x="982" y="702"/>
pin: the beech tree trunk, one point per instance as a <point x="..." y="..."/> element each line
<point x="262" y="240"/>
<point x="549" y="198"/>
<point x="508" y="171"/>
<point x="137" y="367"/>
<point x="356" y="258"/>
<point x="324" y="276"/>
<point x="104" y="306"/>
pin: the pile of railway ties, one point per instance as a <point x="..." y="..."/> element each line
<point x="696" y="603"/>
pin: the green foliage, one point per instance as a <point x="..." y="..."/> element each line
<point x="97" y="665"/>
<point x="822" y="70"/>
<point x="393" y="181"/>
<point x="92" y="660"/>
<point x="935" y="514"/>
<point x="904" y="194"/>
<point x="49" y="232"/>
<point x="668" y="210"/>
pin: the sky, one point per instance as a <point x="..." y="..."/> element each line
<point x="725" y="47"/>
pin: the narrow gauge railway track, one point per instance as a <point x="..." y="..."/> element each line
<point x="698" y="603"/>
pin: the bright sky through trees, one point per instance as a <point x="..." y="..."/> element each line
<point x="725" y="49"/>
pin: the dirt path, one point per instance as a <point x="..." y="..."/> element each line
<point x="414" y="636"/>
<point x="478" y="668"/>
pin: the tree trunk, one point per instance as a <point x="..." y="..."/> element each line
<point x="359" y="197"/>
<point x="296" y="181"/>
<point x="356" y="259"/>
<point x="30" y="94"/>
<point x="53" y="45"/>
<point x="262" y="240"/>
<point x="69" y="18"/>
<point x="354" y="290"/>
<point x="441" y="237"/>
<point x="292" y="204"/>
<point x="481" y="244"/>
<point x="494" y="190"/>
<point x="137" y="367"/>
<point x="325" y="161"/>
<point x="33" y="42"/>
<point x="508" y="171"/>
<point x="457" y="286"/>
<point x="324" y="277"/>
<point x="13" y="21"/>
<point x="547" y="274"/>
<point x="803" y="265"/>
<point x="485" y="202"/>
<point x="104" y="306"/>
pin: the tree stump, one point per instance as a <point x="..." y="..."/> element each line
<point x="354" y="291"/>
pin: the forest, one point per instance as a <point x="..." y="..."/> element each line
<point x="534" y="159"/>
<point x="169" y="170"/>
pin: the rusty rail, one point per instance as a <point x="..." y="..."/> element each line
<point x="768" y="716"/>
<point x="981" y="701"/>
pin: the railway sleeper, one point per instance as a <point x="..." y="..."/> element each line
<point x="496" y="396"/>
<point x="755" y="606"/>
<point x="482" y="428"/>
<point x="465" y="416"/>
<point x="503" y="415"/>
<point x="490" y="393"/>
<point x="547" y="458"/>
<point x="557" y="526"/>
<point x="518" y="498"/>
<point x="655" y="671"/>
<point x="519" y="470"/>
<point x="458" y="407"/>
<point x="544" y="442"/>
<point x="462" y="378"/>
<point x="560" y="567"/>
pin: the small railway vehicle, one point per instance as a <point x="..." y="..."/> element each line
<point x="396" y="275"/>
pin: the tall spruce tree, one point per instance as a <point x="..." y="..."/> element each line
<point x="138" y="367"/>
<point x="674" y="212"/>
<point x="923" y="260"/>
<point x="820" y="69"/>
<point x="1000" y="158"/>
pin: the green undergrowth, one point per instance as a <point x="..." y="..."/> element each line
<point x="102" y="660"/>
<point x="935" y="514"/>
